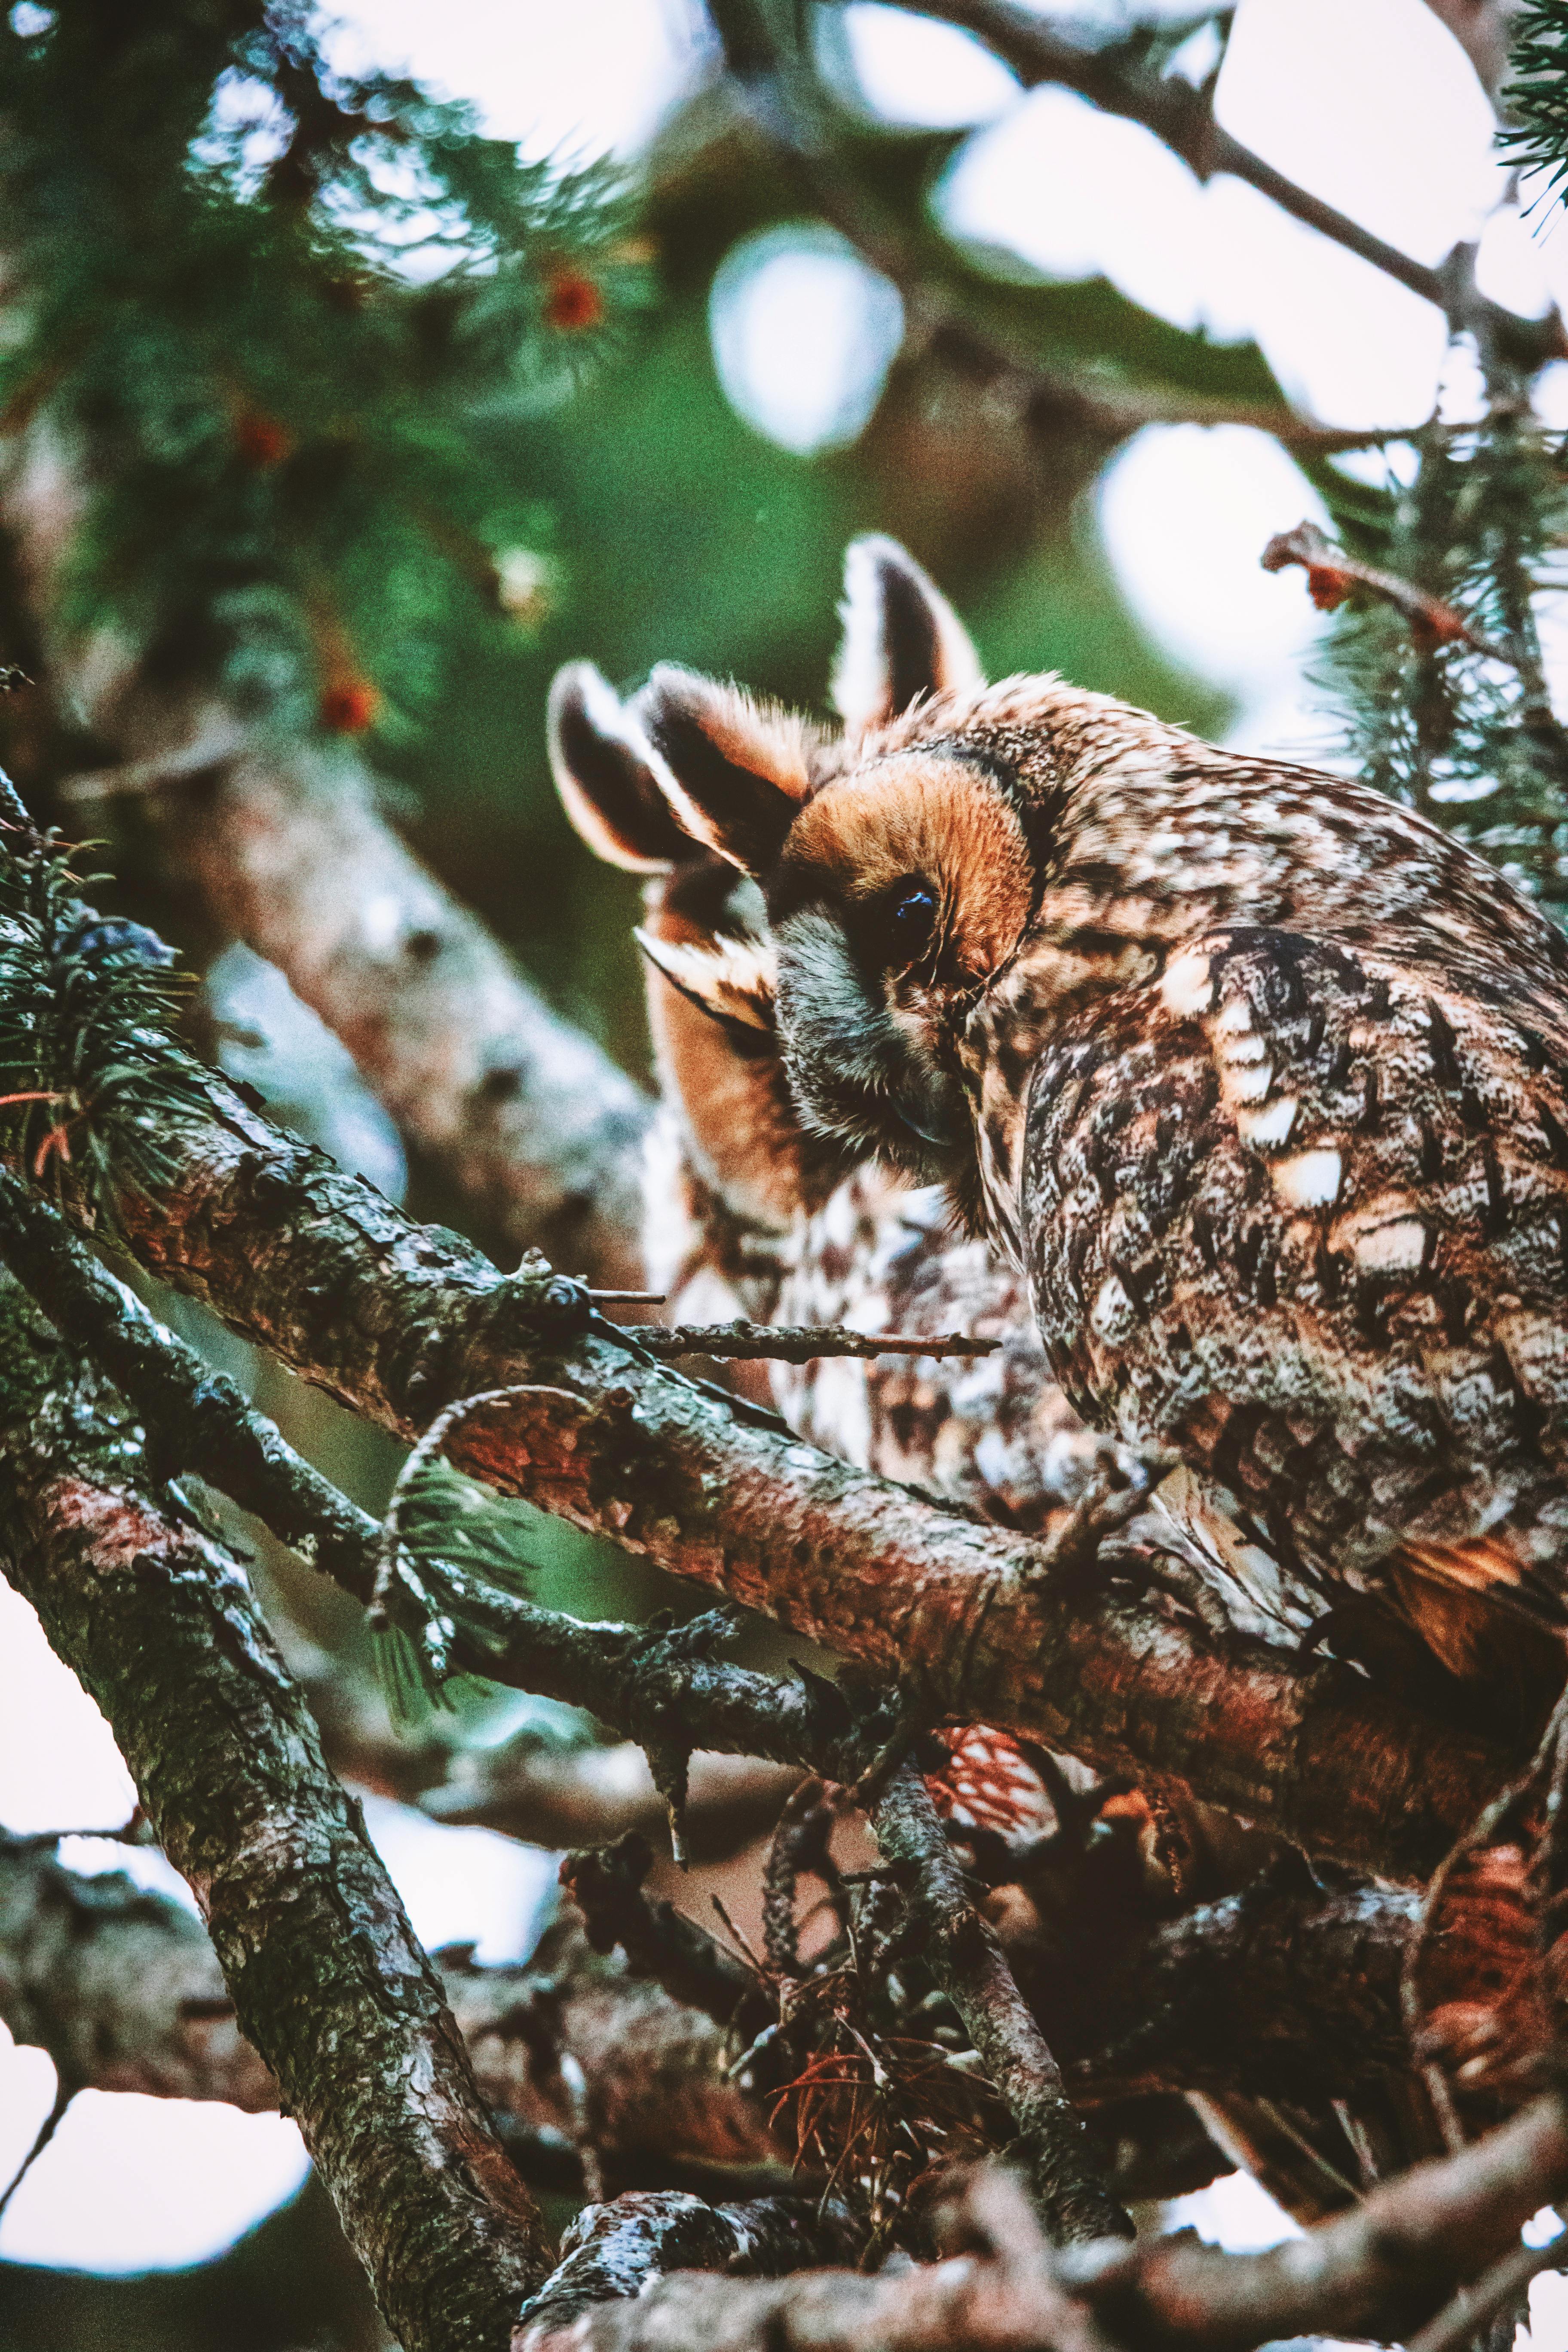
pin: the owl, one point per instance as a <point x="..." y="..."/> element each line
<point x="1255" y="1079"/>
<point x="752" y="1209"/>
<point x="749" y="1211"/>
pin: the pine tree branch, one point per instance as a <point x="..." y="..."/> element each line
<point x="1376" y="2271"/>
<point x="400" y="1321"/>
<point x="969" y="1965"/>
<point x="327" y="1980"/>
<point x="1332" y="574"/>
<point x="784" y="107"/>
<point x="1183" y="120"/>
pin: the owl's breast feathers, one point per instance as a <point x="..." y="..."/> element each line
<point x="1302" y="1211"/>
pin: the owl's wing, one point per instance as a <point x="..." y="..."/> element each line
<point x="1304" y="1213"/>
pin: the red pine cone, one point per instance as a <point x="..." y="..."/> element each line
<point x="349" y="706"/>
<point x="989" y="1783"/>
<point x="573" y="302"/>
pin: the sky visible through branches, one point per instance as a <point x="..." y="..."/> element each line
<point x="803" y="334"/>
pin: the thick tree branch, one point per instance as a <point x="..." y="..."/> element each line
<point x="615" y="2253"/>
<point x="328" y="1982"/>
<point x="399" y="1321"/>
<point x="1378" y="2270"/>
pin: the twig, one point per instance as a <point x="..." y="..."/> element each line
<point x="65" y="2092"/>
<point x="1183" y="118"/>
<point x="659" y="1941"/>
<point x="782" y="103"/>
<point x="783" y="1343"/>
<point x="1332" y="575"/>
<point x="970" y="1967"/>
<point x="1492" y="2293"/>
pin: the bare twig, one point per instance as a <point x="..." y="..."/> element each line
<point x="1183" y="118"/>
<point x="659" y="1940"/>
<point x="1493" y="2291"/>
<point x="971" y="1968"/>
<point x="802" y="1344"/>
<point x="1332" y="575"/>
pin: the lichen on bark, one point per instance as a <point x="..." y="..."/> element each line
<point x="327" y="1978"/>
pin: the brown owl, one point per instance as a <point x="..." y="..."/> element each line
<point x="1257" y="1076"/>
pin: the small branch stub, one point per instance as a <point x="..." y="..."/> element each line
<point x="802" y="1344"/>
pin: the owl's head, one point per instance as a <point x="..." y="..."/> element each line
<point x="897" y="859"/>
<point x="709" y="969"/>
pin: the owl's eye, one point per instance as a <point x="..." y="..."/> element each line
<point x="909" y="920"/>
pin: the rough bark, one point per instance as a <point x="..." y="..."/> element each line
<point x="1378" y="2270"/>
<point x="400" y="1320"/>
<point x="328" y="1982"/>
<point x="613" y="2252"/>
<point x="969" y="1965"/>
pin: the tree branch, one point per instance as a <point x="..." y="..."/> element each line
<point x="783" y="106"/>
<point x="616" y="2253"/>
<point x="1332" y="575"/>
<point x="970" y="1967"/>
<point x="122" y="1988"/>
<point x="327" y="1980"/>
<point x="399" y="1320"/>
<point x="1376" y="2271"/>
<point x="778" y="1343"/>
<point x="1183" y="120"/>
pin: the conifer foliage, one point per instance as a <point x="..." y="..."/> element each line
<point x="277" y="302"/>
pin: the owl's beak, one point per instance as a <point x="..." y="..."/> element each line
<point x="934" y="1111"/>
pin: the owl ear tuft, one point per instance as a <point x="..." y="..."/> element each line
<point x="734" y="771"/>
<point x="730" y="980"/>
<point x="605" y="774"/>
<point x="902" y="640"/>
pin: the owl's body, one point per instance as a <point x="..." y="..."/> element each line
<point x="1270" y="1103"/>
<point x="1255" y="1074"/>
<point x="1139" y="1168"/>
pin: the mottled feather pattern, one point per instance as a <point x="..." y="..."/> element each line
<point x="1313" y="1233"/>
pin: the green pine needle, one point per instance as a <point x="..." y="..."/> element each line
<point x="447" y="1522"/>
<point x="95" y="1090"/>
<point x="1536" y="93"/>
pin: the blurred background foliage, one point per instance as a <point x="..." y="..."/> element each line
<point x="384" y="424"/>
